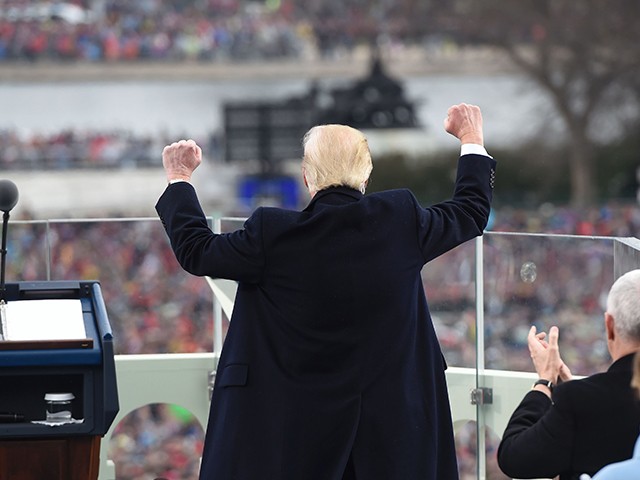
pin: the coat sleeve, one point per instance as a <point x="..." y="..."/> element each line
<point x="538" y="440"/>
<point x="448" y="224"/>
<point x="200" y="251"/>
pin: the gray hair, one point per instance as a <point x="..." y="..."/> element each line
<point x="336" y="155"/>
<point x="623" y="303"/>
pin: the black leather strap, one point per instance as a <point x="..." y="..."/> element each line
<point x="547" y="383"/>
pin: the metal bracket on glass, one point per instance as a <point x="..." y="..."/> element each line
<point x="482" y="396"/>
<point x="212" y="381"/>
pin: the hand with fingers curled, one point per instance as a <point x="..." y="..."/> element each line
<point x="464" y="122"/>
<point x="545" y="355"/>
<point x="180" y="159"/>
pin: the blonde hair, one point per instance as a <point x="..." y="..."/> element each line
<point x="336" y="155"/>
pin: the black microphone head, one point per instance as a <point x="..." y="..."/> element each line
<point x="8" y="195"/>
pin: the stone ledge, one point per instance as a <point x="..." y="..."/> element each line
<point x="405" y="63"/>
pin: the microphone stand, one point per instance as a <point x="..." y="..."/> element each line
<point x="8" y="200"/>
<point x="3" y="252"/>
<point x="3" y="258"/>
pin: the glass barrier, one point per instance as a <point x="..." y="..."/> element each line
<point x="27" y="257"/>
<point x="450" y="284"/>
<point x="146" y="292"/>
<point x="542" y="281"/>
<point x="546" y="280"/>
<point x="527" y="279"/>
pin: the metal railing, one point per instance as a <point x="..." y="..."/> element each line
<point x="183" y="379"/>
<point x="483" y="297"/>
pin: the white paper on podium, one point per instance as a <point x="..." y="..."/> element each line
<point x="225" y="292"/>
<point x="48" y="319"/>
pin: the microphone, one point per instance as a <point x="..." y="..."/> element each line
<point x="8" y="195"/>
<point x="8" y="200"/>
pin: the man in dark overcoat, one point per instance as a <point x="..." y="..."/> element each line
<point x="564" y="428"/>
<point x="331" y="368"/>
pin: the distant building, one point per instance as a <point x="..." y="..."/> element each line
<point x="271" y="132"/>
<point x="375" y="102"/>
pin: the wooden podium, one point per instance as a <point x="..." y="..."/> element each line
<point x="68" y="458"/>
<point x="31" y="449"/>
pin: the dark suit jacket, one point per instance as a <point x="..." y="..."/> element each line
<point x="331" y="358"/>
<point x="592" y="422"/>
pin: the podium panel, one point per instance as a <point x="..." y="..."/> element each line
<point x="82" y="367"/>
<point x="69" y="458"/>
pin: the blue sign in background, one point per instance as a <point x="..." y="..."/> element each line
<point x="276" y="191"/>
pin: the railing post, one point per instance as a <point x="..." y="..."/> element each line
<point x="479" y="391"/>
<point x="217" y="308"/>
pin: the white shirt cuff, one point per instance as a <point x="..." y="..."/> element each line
<point x="171" y="182"/>
<point x="473" y="149"/>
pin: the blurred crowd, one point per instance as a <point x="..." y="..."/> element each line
<point x="72" y="149"/>
<point x="84" y="149"/>
<point x="213" y="30"/>
<point x="155" y="307"/>
<point x="120" y="148"/>
<point x="157" y="441"/>
<point x="120" y="30"/>
<point x="615" y="219"/>
<point x="527" y="277"/>
<point x="529" y="280"/>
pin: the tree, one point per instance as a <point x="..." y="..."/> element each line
<point x="585" y="54"/>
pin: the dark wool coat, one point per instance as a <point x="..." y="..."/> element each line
<point x="591" y="422"/>
<point x="331" y="368"/>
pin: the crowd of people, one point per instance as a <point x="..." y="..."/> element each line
<point x="153" y="307"/>
<point x="120" y="148"/>
<point x="157" y="441"/>
<point x="74" y="149"/>
<point x="176" y="30"/>
<point x="148" y="294"/>
<point x="213" y="30"/>
<point x="149" y="30"/>
<point x="528" y="279"/>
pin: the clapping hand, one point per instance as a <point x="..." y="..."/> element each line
<point x="546" y="355"/>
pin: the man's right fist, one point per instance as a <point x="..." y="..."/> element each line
<point x="180" y="159"/>
<point x="465" y="123"/>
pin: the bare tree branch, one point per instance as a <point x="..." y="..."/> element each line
<point x="582" y="53"/>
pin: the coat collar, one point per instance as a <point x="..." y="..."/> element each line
<point x="334" y="196"/>
<point x="624" y="363"/>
